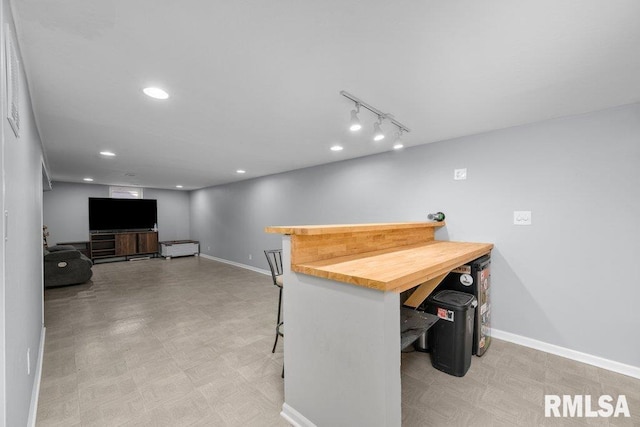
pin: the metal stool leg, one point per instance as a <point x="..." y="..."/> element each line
<point x="278" y="323"/>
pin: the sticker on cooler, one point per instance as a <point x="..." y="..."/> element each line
<point x="466" y="280"/>
<point x="484" y="279"/>
<point x="463" y="269"/>
<point x="445" y="314"/>
<point x="483" y="308"/>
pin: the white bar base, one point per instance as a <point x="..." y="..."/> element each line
<point x="341" y="352"/>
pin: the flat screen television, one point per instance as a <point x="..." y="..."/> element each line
<point x="107" y="214"/>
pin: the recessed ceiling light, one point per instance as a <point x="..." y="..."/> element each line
<point x="107" y="153"/>
<point x="155" y="92"/>
<point x="178" y="186"/>
<point x="337" y="148"/>
<point x="398" y="145"/>
<point x="87" y="179"/>
<point x="241" y="171"/>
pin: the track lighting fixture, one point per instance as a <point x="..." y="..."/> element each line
<point x="378" y="134"/>
<point x="355" y="121"/>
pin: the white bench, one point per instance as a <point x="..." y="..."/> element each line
<point x="176" y="248"/>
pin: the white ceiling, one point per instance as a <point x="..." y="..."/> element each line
<point x="255" y="84"/>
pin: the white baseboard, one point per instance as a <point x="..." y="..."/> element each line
<point x="237" y="264"/>
<point x="294" y="417"/>
<point x="610" y="365"/>
<point x="35" y="393"/>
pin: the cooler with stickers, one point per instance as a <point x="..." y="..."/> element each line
<point x="451" y="338"/>
<point x="475" y="278"/>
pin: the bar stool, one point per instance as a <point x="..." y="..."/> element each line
<point x="274" y="258"/>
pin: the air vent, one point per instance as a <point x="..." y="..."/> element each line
<point x="125" y="192"/>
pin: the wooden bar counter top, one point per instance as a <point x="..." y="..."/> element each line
<point x="387" y="257"/>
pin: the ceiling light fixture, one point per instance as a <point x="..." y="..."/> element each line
<point x="107" y="153"/>
<point x="241" y="171"/>
<point x="155" y="92"/>
<point x="378" y="134"/>
<point x="355" y="124"/>
<point x="88" y="179"/>
<point x="398" y="144"/>
<point x="178" y="186"/>
<point x="337" y="148"/>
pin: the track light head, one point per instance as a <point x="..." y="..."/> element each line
<point x="398" y="143"/>
<point x="354" y="124"/>
<point x="378" y="135"/>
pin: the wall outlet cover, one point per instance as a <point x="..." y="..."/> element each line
<point x="522" y="217"/>
<point x="460" y="174"/>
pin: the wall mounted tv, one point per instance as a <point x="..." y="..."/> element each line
<point x="122" y="214"/>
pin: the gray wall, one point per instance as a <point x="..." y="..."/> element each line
<point x="21" y="296"/>
<point x="66" y="211"/>
<point x="566" y="280"/>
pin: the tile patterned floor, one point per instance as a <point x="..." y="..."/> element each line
<point x="187" y="342"/>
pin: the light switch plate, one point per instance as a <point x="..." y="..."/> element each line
<point x="522" y="217"/>
<point x="460" y="174"/>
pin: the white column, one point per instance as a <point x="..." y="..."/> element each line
<point x="341" y="352"/>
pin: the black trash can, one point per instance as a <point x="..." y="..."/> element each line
<point x="451" y="338"/>
<point x="475" y="278"/>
